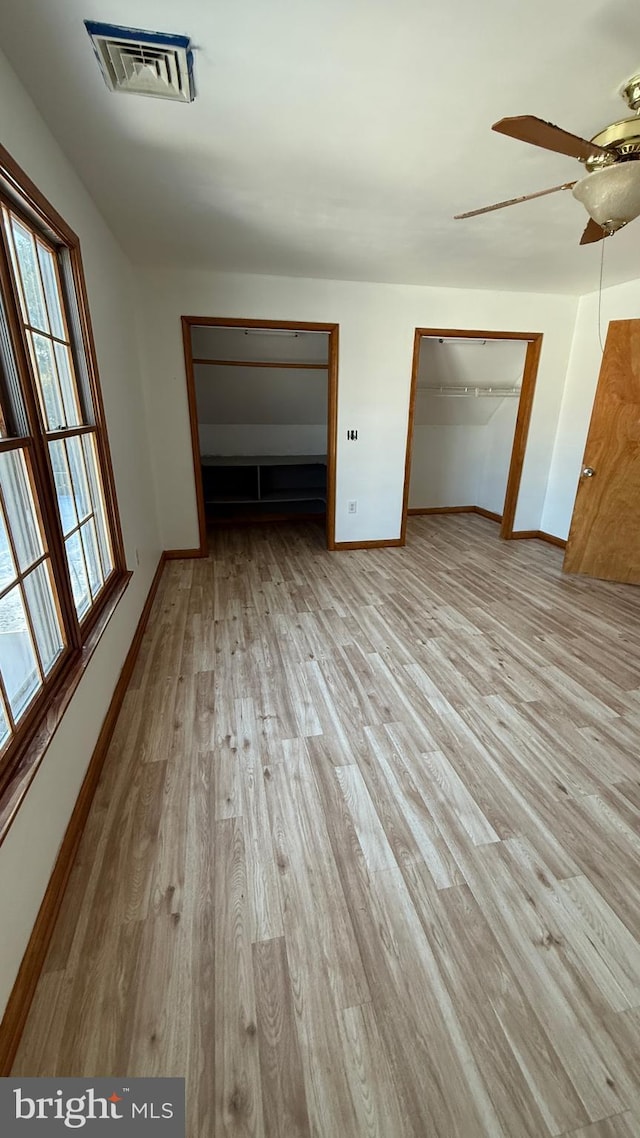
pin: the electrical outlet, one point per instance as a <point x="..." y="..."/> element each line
<point x="352" y="435"/>
<point x="352" y="506"/>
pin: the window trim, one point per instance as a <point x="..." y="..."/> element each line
<point x="20" y="773"/>
<point x="36" y="728"/>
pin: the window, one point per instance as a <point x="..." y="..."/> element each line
<point x="60" y="543"/>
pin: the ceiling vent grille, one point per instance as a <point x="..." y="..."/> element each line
<point x="144" y="63"/>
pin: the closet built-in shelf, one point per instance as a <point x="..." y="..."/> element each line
<point x="245" y="485"/>
<point x="263" y="363"/>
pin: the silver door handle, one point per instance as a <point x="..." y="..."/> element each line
<point x="588" y="472"/>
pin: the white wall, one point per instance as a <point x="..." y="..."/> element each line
<point x="215" y="341"/>
<point x="462" y="464"/>
<point x="621" y="302"/>
<point x="260" y="395"/>
<point x="262" y="438"/>
<point x="30" y="848"/>
<point x="496" y="456"/>
<point x="377" y="323"/>
<point x="470" y="362"/>
<point x="445" y="464"/>
<point x="245" y="410"/>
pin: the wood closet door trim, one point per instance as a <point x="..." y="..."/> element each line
<point x="188" y="322"/>
<point x="521" y="433"/>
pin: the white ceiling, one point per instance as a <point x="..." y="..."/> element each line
<point x="336" y="138"/>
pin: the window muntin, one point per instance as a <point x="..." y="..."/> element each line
<point x="60" y="547"/>
<point x="41" y="303"/>
<point x="66" y="418"/>
<point x="32" y="636"/>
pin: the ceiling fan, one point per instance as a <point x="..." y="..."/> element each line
<point x="610" y="191"/>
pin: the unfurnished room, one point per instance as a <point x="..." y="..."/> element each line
<point x="320" y="569"/>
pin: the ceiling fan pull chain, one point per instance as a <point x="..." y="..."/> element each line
<point x="602" y="245"/>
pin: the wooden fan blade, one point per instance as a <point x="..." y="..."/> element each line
<point x="528" y="128"/>
<point x="514" y="201"/>
<point x="593" y="232"/>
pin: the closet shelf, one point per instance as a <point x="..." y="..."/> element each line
<point x="263" y="459"/>
<point x="228" y="499"/>
<point x="472" y="392"/>
<point x="309" y="495"/>
<point x="299" y="366"/>
<point x="235" y="484"/>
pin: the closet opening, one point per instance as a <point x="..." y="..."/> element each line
<point x="263" y="409"/>
<point x="469" y="413"/>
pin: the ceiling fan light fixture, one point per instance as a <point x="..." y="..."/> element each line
<point x="611" y="196"/>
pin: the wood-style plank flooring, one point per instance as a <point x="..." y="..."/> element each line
<point x="364" y="859"/>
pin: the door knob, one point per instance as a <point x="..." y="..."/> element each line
<point x="588" y="472"/>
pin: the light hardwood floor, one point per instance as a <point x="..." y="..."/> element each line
<point x="364" y="859"/>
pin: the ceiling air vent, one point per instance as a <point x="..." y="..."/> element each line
<point x="144" y="63"/>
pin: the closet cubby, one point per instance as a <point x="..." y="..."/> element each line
<point x="259" y="485"/>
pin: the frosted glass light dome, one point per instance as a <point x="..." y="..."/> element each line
<point x="611" y="196"/>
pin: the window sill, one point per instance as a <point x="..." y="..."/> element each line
<point x="27" y="763"/>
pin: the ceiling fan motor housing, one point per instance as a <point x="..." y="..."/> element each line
<point x="623" y="138"/>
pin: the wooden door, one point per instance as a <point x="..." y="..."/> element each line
<point x="604" y="540"/>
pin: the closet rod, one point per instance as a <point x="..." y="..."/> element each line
<point x="261" y="363"/>
<point x="484" y="341"/>
<point x="474" y="392"/>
